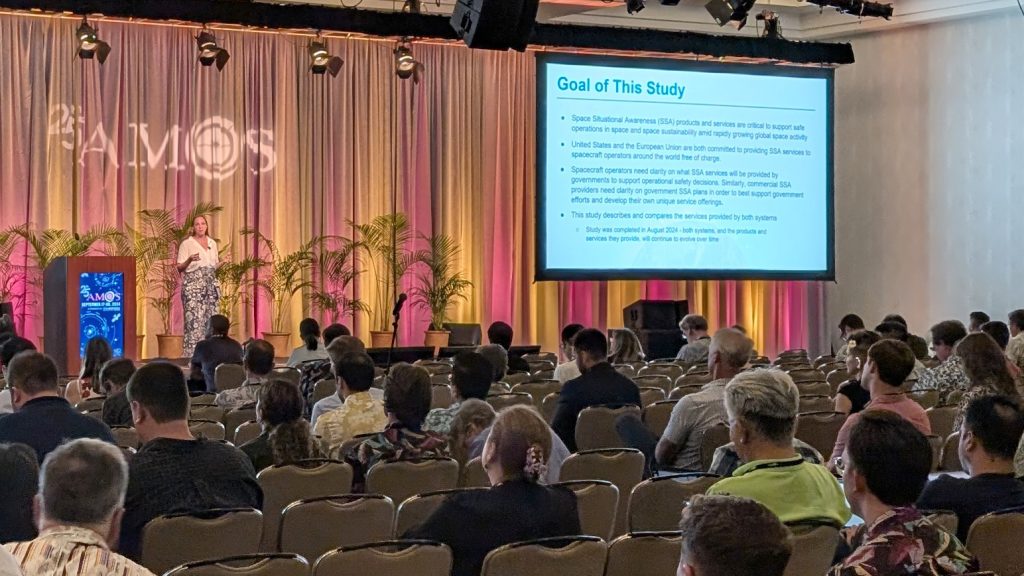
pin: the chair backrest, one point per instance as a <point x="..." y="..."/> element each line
<point x="835" y="379"/>
<point x="440" y="379"/>
<point x="596" y="502"/>
<point x="324" y="388"/>
<point x="657" y="415"/>
<point x="623" y="467"/>
<point x="228" y="376"/>
<point x="315" y="526"/>
<point x="548" y="406"/>
<point x="654" y="380"/>
<point x="697" y="378"/>
<point x="246" y="565"/>
<point x="440" y="396"/>
<point x="569" y="556"/>
<point x="926" y="398"/>
<point x="951" y="454"/>
<point x="473" y="475"/>
<point x="936" y="442"/>
<point x="463" y="334"/>
<point x="823" y="359"/>
<point x="822" y="403"/>
<point x="540" y="365"/>
<point x="500" y="401"/>
<point x="287" y="373"/>
<point x="174" y="539"/>
<point x="942" y="418"/>
<point x="656" y="504"/>
<point x="800" y="375"/>
<point x="651" y="394"/>
<point x="945" y="519"/>
<point x="207" y="429"/>
<point x="436" y="368"/>
<point x="539" y="390"/>
<point x="285" y="484"/>
<point x="595" y="427"/>
<point x="90" y="404"/>
<point x="813" y="551"/>
<point x="816" y="388"/>
<point x="203" y="398"/>
<point x="995" y="540"/>
<point x="234" y="418"/>
<point x="644" y="554"/>
<point x="542" y="375"/>
<point x="518" y="378"/>
<point x="820" y="429"/>
<point x="673" y="371"/>
<point x="404" y="478"/>
<point x="626" y="370"/>
<point x="388" y="558"/>
<point x="125" y="436"/>
<point x="416" y="509"/>
<point x="247" y="431"/>
<point x="206" y="412"/>
<point x="679" y="392"/>
<point x="549" y="356"/>
<point x="712" y="439"/>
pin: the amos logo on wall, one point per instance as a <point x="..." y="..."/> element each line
<point x="212" y="147"/>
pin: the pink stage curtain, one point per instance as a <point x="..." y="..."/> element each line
<point x="294" y="155"/>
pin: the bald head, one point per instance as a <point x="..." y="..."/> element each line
<point x="728" y="353"/>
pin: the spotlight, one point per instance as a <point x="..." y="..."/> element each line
<point x="412" y="7"/>
<point x="405" y="65"/>
<point x="634" y="6"/>
<point x="730" y="11"/>
<point x="772" y="25"/>
<point x="857" y="7"/>
<point x="320" y="60"/>
<point x="209" y="52"/>
<point x="89" y="43"/>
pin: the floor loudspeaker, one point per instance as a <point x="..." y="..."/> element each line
<point x="495" y="24"/>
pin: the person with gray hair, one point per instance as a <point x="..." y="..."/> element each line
<point x="79" y="508"/>
<point x="498" y="358"/>
<point x="762" y="406"/>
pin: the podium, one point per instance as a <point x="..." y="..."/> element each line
<point x="656" y="324"/>
<point x="86" y="297"/>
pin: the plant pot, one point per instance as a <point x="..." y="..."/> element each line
<point x="436" y="338"/>
<point x="280" y="341"/>
<point x="169" y="345"/>
<point x="139" y="343"/>
<point x="379" y="339"/>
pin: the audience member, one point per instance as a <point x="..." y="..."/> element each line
<point x="568" y="370"/>
<point x="949" y="376"/>
<point x="515" y="508"/>
<point x="80" y="506"/>
<point x="407" y="400"/>
<point x="739" y="328"/>
<point x="469" y="429"/>
<point x="895" y="330"/>
<point x="987" y="374"/>
<point x="726" y="459"/>
<point x="258" y="361"/>
<point x="695" y="329"/>
<point x="917" y="344"/>
<point x="851" y="397"/>
<point x="600" y="384"/>
<point x="360" y="413"/>
<point x="847" y="325"/>
<point x="1000" y="332"/>
<point x="559" y="452"/>
<point x="19" y="476"/>
<point x="316" y="370"/>
<point x="97" y="352"/>
<point x="338" y="347"/>
<point x="992" y="428"/>
<point x="216" y="349"/>
<point x="728" y="536"/>
<point x="113" y="379"/>
<point x="42" y="419"/>
<point x="625" y="347"/>
<point x="498" y="359"/>
<point x="977" y="319"/>
<point x="311" y="349"/>
<point x="1015" y="348"/>
<point x="7" y="328"/>
<point x="285" y="435"/>
<point x="471" y="378"/>
<point x="888" y="364"/>
<point x="885" y="467"/>
<point x="762" y="408"/>
<point x="8" y="350"/>
<point x="501" y="334"/>
<point x="172" y="471"/>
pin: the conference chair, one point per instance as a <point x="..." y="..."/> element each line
<point x="712" y="439"/>
<point x="693" y="379"/>
<point x="284" y="484"/>
<point x="835" y="379"/>
<point x="440" y="396"/>
<point x="819" y="403"/>
<point x="228" y="376"/>
<point x="415" y="510"/>
<point x="387" y="558"/>
<point x="697" y="370"/>
<point x="518" y="378"/>
<point x="206" y="412"/>
<point x="651" y="394"/>
<point x="463" y="334"/>
<point x="760" y="360"/>
<point x="951" y="454"/>
<point x="203" y="399"/>
<point x="796" y="352"/>
<point x="673" y="371"/>
<point x="324" y="388"/>
<point x="626" y="370"/>
<point x="545" y="356"/>
<point x="473" y="475"/>
<point x="936" y="442"/>
<point x="540" y="365"/>
<point x="623" y="467"/>
<point x="822" y="360"/>
<point x="926" y="398"/>
<point x="346" y="447"/>
<point x="644" y="554"/>
<point x="595" y="427"/>
<point x="125" y="436"/>
<point x="657" y="415"/>
<point x="596" y="504"/>
<point x="90" y="404"/>
<point x="286" y="373"/>
<point x="500" y="401"/>
<point x="945" y="519"/>
<point x="246" y="565"/>
<point x="942" y="419"/>
<point x="679" y="392"/>
<point x="538" y="390"/>
<point x="207" y="429"/>
<point x="813" y="550"/>
<point x="548" y="406"/>
<point x="174" y="539"/>
<point x="820" y="429"/>
<point x="813" y="388"/>
<point x="995" y="540"/>
<point x="655" y="381"/>
<point x="441" y="379"/>
<point x="656" y="504"/>
<point x="435" y="368"/>
<point x="96" y="413"/>
<point x="565" y="556"/>
<point x="236" y="417"/>
<point x="247" y="431"/>
<point x="542" y="376"/>
<point x="499" y="388"/>
<point x="404" y="478"/>
<point x="314" y="526"/>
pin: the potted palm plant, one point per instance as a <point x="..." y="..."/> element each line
<point x="166" y="282"/>
<point x="385" y="241"/>
<point x="438" y="284"/>
<point x="337" y="269"/>
<point x="12" y="277"/>
<point x="236" y="282"/>
<point x="284" y="279"/>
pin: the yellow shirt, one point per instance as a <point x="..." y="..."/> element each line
<point x="360" y="414"/>
<point x="72" y="551"/>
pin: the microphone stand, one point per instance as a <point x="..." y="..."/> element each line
<point x="394" y="337"/>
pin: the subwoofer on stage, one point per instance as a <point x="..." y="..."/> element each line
<point x="656" y="324"/>
<point x="495" y="24"/>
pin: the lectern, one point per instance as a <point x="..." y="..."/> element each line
<point x="85" y="297"/>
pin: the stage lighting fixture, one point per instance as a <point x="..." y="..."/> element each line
<point x="412" y="7"/>
<point x="89" y="43"/>
<point x="320" y="60"/>
<point x="405" y="65"/>
<point x="209" y="52"/>
<point x="772" y="25"/>
<point x="730" y="11"/>
<point x="857" y="7"/>
<point x="634" y="6"/>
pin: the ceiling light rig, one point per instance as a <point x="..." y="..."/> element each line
<point x="857" y="7"/>
<point x="772" y="25"/>
<point x="321" y="61"/>
<point x="209" y="52"/>
<point x="730" y="12"/>
<point x="405" y="65"/>
<point x="89" y="44"/>
<point x="634" y="6"/>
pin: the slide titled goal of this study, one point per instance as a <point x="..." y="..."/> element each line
<point x="661" y="168"/>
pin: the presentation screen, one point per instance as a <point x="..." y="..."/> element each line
<point x="670" y="169"/>
<point x="101" y="305"/>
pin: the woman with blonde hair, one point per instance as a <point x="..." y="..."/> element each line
<point x="625" y="347"/>
<point x="516" y="507"/>
<point x="197" y="262"/>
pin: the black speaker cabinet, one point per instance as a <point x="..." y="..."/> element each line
<point x="495" y="24"/>
<point x="660" y="343"/>
<point x="654" y="314"/>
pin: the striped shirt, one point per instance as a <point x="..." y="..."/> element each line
<point x="72" y="551"/>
